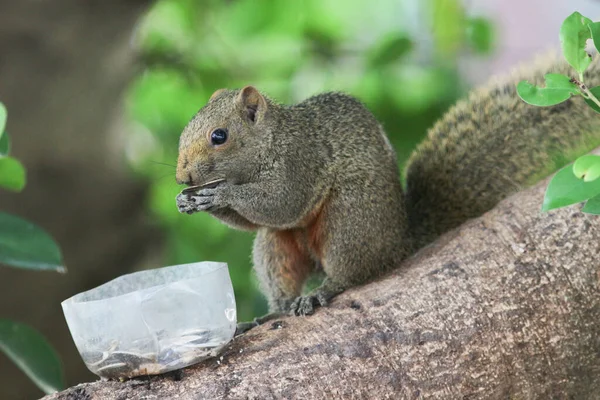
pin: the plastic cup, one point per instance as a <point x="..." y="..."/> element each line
<point x="153" y="321"/>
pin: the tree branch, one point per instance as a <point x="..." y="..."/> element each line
<point x="507" y="306"/>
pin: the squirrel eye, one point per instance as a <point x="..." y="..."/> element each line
<point x="218" y="136"/>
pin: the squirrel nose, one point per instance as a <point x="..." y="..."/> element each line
<point x="183" y="175"/>
<point x="185" y="180"/>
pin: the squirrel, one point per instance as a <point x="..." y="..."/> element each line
<point x="320" y="184"/>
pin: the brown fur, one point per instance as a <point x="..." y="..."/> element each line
<point x="301" y="169"/>
<point x="493" y="144"/>
<point x="297" y="260"/>
<point x="319" y="180"/>
<point x="313" y="229"/>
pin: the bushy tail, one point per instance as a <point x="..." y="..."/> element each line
<point x="493" y="144"/>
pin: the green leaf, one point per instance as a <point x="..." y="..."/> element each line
<point x="3" y="116"/>
<point x="4" y="144"/>
<point x="390" y="49"/>
<point x="25" y="245"/>
<point x="574" y="32"/>
<point x="558" y="89"/>
<point x="565" y="189"/>
<point x="592" y="206"/>
<point x="587" y="168"/>
<point x="27" y="348"/>
<point x="12" y="174"/>
<point x="595" y="32"/>
<point x="596" y="92"/>
<point x="481" y="36"/>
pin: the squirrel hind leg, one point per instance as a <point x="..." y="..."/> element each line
<point x="357" y="238"/>
<point x="282" y="264"/>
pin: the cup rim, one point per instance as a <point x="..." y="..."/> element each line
<point x="204" y="268"/>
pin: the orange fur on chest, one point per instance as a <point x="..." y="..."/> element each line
<point x="306" y="242"/>
<point x="296" y="252"/>
<point x="292" y="260"/>
<point x="315" y="232"/>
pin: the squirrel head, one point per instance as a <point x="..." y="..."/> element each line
<point x="224" y="139"/>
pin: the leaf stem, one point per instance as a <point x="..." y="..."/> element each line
<point x="585" y="92"/>
<point x="592" y="97"/>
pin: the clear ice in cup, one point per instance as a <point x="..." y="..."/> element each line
<point x="153" y="321"/>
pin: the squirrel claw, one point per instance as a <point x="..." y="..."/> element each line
<point x="185" y="204"/>
<point x="305" y="305"/>
<point x="204" y="200"/>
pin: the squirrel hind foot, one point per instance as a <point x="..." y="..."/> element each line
<point x="305" y="305"/>
<point x="319" y="297"/>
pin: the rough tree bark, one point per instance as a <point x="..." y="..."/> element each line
<point x="507" y="306"/>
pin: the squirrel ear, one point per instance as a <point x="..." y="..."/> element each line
<point x="253" y="102"/>
<point x="216" y="94"/>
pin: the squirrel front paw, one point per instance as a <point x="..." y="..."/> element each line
<point x="206" y="199"/>
<point x="185" y="204"/>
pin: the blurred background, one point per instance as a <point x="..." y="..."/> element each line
<point x="98" y="91"/>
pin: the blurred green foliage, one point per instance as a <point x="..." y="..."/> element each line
<point x="25" y="245"/>
<point x="398" y="57"/>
